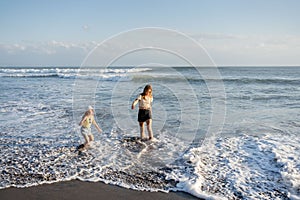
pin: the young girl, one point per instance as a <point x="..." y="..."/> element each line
<point x="86" y="123"/>
<point x="145" y="111"/>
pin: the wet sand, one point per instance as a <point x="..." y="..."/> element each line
<point x="78" y="190"/>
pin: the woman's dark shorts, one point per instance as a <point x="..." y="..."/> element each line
<point x="144" y="115"/>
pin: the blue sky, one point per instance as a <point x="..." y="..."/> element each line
<point x="62" y="32"/>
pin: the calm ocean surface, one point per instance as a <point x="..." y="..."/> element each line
<point x="233" y="134"/>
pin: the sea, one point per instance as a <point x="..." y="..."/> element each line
<point x="220" y="132"/>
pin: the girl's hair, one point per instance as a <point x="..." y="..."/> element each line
<point x="87" y="113"/>
<point x="146" y="89"/>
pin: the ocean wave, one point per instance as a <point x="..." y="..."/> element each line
<point x="110" y="74"/>
<point x="241" y="167"/>
<point x="38" y="140"/>
<point x="225" y="80"/>
<point x="29" y="161"/>
<point x="265" y="80"/>
<point x="137" y="74"/>
<point x="37" y="72"/>
<point x="244" y="167"/>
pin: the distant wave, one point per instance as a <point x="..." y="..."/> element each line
<point x="94" y="73"/>
<point x="38" y="73"/>
<point x="192" y="78"/>
<point x="263" y="80"/>
<point x="136" y="74"/>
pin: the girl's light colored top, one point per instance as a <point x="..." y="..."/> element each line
<point x="88" y="122"/>
<point x="145" y="102"/>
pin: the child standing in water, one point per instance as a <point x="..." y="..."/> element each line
<point x="86" y="123"/>
<point x="145" y="111"/>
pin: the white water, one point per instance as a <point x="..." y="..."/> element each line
<point x="255" y="157"/>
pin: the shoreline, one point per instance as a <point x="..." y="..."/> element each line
<point x="78" y="190"/>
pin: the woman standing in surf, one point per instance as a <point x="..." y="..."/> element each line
<point x="145" y="111"/>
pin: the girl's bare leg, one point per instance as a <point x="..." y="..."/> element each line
<point x="91" y="137"/>
<point x="87" y="140"/>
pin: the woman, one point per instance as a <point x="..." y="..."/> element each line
<point x="145" y="111"/>
<point x="86" y="123"/>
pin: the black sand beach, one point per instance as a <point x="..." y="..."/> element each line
<point x="78" y="190"/>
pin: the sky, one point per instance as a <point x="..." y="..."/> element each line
<point x="233" y="32"/>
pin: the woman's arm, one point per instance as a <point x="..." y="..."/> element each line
<point x="134" y="103"/>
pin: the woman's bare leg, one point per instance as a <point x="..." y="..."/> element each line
<point x="149" y="128"/>
<point x="142" y="130"/>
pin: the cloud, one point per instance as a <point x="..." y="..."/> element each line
<point x="224" y="49"/>
<point x="45" y="53"/>
<point x="249" y="41"/>
<point x="85" y="27"/>
<point x="49" y="47"/>
<point x="12" y="48"/>
<point x="215" y="36"/>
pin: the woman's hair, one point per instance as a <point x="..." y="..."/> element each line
<point x="146" y="90"/>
